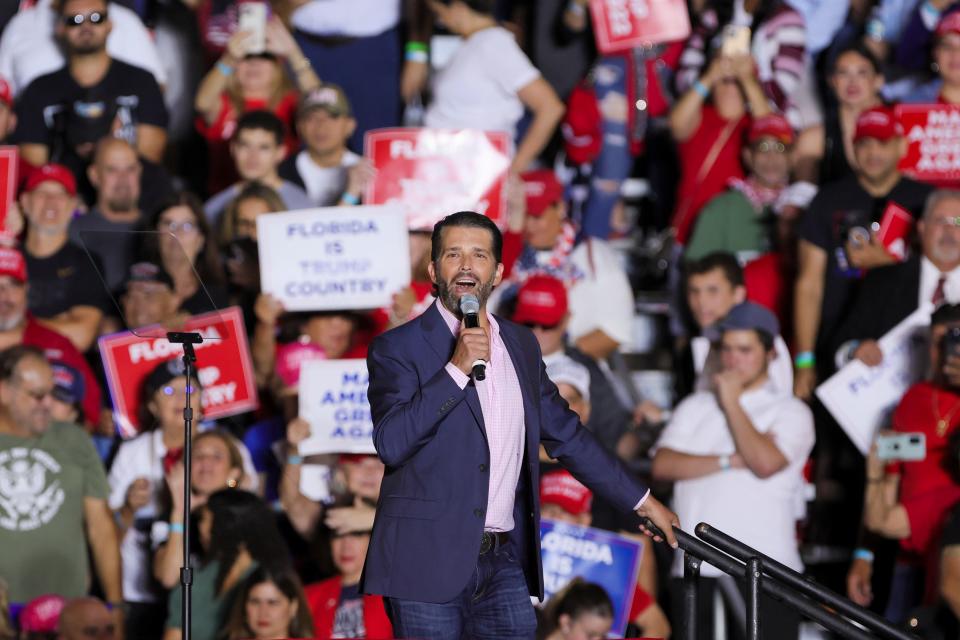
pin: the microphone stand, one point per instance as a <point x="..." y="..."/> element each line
<point x="187" y="339"/>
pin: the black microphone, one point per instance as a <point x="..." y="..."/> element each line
<point x="470" y="308"/>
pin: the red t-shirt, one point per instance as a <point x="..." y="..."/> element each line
<point x="324" y="598"/>
<point x="222" y="170"/>
<point x="58" y="347"/>
<point x="926" y="490"/>
<point x="700" y="181"/>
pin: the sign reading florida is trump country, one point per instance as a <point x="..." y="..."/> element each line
<point x="334" y="257"/>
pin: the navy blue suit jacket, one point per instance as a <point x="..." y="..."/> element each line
<point x="430" y="434"/>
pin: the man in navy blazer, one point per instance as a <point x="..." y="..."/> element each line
<point x="455" y="547"/>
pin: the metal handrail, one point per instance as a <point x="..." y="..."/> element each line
<point x="766" y="575"/>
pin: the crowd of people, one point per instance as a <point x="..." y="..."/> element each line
<point x="151" y="137"/>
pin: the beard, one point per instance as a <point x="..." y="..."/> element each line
<point x="124" y="203"/>
<point x="451" y="300"/>
<point x="11" y="320"/>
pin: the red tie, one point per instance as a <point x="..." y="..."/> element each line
<point x="938" y="296"/>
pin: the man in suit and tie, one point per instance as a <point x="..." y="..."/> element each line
<point x="890" y="294"/>
<point x="455" y="547"/>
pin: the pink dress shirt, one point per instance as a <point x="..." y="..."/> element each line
<point x="502" y="405"/>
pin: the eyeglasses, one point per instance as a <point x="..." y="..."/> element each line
<point x="767" y="147"/>
<point x="949" y="221"/>
<point x="177" y="227"/>
<point x="169" y="391"/>
<point x="541" y="326"/>
<point x="38" y="395"/>
<point x="77" y="19"/>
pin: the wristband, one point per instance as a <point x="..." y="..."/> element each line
<point x="416" y="56"/>
<point x="804" y="360"/>
<point x="350" y="199"/>
<point x="701" y="89"/>
<point x="176" y="527"/>
<point x="863" y="554"/>
<point x="224" y="68"/>
<point x="875" y="29"/>
<point x="294" y="459"/>
<point x="724" y="462"/>
<point x="414" y="45"/>
<point x="932" y="12"/>
<point x="576" y="9"/>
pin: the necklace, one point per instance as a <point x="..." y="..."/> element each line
<point x="943" y="422"/>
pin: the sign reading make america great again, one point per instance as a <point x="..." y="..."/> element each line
<point x="335" y="257"/>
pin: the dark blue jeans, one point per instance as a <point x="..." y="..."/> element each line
<point x="494" y="605"/>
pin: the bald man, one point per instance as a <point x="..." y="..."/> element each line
<point x="115" y="175"/>
<point x="86" y="619"/>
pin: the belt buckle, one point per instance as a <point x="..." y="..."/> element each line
<point x="486" y="542"/>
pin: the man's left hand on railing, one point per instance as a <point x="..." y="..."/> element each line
<point x="662" y="518"/>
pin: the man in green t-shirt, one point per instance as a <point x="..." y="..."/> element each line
<point x="53" y="492"/>
<point x="741" y="220"/>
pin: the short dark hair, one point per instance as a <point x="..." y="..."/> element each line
<point x="766" y="339"/>
<point x="486" y="7"/>
<point x="466" y="219"/>
<point x="578" y="597"/>
<point x="11" y="357"/>
<point x="262" y="120"/>
<point x="723" y="260"/>
<point x="859" y="49"/>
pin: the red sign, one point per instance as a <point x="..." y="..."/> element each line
<point x="933" y="142"/>
<point x="620" y="25"/>
<point x="895" y="225"/>
<point x="432" y="173"/>
<point x="224" y="367"/>
<point x="9" y="159"/>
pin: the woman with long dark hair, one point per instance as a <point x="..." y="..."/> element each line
<point x="239" y="533"/>
<point x="580" y="611"/>
<point x="270" y="606"/>
<point x="185" y="246"/>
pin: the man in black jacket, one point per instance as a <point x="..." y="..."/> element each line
<point x="890" y="294"/>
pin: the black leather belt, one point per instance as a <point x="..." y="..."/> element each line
<point x="493" y="540"/>
<point x="328" y="40"/>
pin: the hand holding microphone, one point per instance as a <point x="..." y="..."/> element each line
<point x="473" y="345"/>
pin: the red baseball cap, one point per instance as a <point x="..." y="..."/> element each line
<point x="582" y="126"/>
<point x="772" y="126"/>
<point x="53" y="173"/>
<point x="878" y="123"/>
<point x="290" y="357"/>
<point x="950" y="23"/>
<point x="6" y="93"/>
<point x="42" y="614"/>
<point x="13" y="264"/>
<point x="541" y="300"/>
<point x="542" y="189"/>
<point x="565" y="491"/>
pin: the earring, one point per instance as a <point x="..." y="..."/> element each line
<point x="232" y="483"/>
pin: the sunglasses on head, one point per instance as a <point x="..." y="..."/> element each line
<point x="540" y="325"/>
<point x="77" y="19"/>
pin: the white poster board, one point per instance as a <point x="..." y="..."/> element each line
<point x="861" y="398"/>
<point x="333" y="399"/>
<point x="334" y="257"/>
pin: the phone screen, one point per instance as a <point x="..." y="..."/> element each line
<point x="253" y="19"/>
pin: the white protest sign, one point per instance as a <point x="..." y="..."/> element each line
<point x="861" y="398"/>
<point x="334" y="257"/>
<point x="333" y="399"/>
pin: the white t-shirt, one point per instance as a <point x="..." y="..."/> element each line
<point x="325" y="185"/>
<point x="760" y="512"/>
<point x="28" y="49"/>
<point x="478" y="88"/>
<point x="352" y="18"/>
<point x="142" y="457"/>
<point x="602" y="299"/>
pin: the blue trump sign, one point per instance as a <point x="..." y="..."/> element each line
<point x="607" y="559"/>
